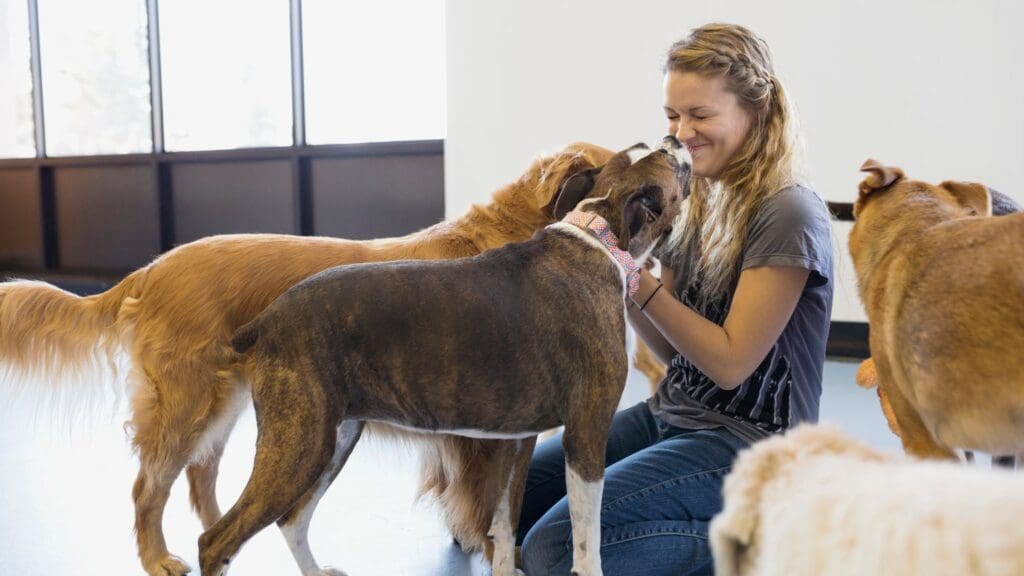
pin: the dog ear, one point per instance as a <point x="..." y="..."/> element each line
<point x="732" y="530"/>
<point x="634" y="214"/>
<point x="879" y="176"/>
<point x="575" y="189"/>
<point x="974" y="197"/>
<point x="556" y="171"/>
<point x="727" y="550"/>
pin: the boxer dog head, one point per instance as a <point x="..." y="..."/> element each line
<point x="890" y="208"/>
<point x="639" y="192"/>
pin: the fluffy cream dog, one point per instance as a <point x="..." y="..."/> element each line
<point x="815" y="502"/>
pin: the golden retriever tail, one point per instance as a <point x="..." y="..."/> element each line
<point x="61" y="346"/>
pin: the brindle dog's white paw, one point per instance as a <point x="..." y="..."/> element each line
<point x="169" y="565"/>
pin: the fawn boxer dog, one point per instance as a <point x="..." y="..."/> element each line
<point x="943" y="286"/>
<point x="506" y="344"/>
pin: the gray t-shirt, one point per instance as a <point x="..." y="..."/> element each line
<point x="792" y="228"/>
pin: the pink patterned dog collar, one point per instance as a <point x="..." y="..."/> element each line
<point x="600" y="229"/>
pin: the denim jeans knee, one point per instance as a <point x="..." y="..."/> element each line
<point x="546" y="549"/>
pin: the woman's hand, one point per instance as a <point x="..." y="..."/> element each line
<point x="762" y="306"/>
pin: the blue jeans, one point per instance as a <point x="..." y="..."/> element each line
<point x="662" y="486"/>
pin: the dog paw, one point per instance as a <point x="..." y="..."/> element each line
<point x="515" y="572"/>
<point x="169" y="565"/>
<point x="328" y="571"/>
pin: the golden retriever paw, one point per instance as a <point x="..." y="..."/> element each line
<point x="169" y="565"/>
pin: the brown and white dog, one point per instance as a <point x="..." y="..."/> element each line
<point x="943" y="286"/>
<point x="502" y="345"/>
<point x="175" y="319"/>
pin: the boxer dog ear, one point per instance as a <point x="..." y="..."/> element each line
<point x="974" y="197"/>
<point x="575" y="189"/>
<point x="643" y="207"/>
<point x="879" y="177"/>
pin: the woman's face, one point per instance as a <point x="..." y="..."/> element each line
<point x="707" y="118"/>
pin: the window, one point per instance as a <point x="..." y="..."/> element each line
<point x="374" y="70"/>
<point x="17" y="136"/>
<point x="95" y="71"/>
<point x="226" y="73"/>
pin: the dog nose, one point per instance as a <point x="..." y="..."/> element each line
<point x="670" y="145"/>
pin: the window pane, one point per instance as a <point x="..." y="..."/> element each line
<point x="17" y="136"/>
<point x="226" y="73"/>
<point x="95" y="67"/>
<point x="374" y="70"/>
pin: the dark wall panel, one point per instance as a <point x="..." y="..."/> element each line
<point x="107" y="217"/>
<point x="363" y="198"/>
<point x="21" y="225"/>
<point x="229" y="198"/>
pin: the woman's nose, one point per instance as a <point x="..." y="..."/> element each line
<point x="683" y="131"/>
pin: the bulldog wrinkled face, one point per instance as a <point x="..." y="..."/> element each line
<point x="639" y="192"/>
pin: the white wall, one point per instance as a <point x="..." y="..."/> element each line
<point x="932" y="86"/>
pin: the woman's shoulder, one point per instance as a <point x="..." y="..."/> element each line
<point x="797" y="196"/>
<point x="796" y="204"/>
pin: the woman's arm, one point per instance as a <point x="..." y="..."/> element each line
<point x="762" y="305"/>
<point x="651" y="335"/>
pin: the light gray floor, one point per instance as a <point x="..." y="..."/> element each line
<point x="65" y="504"/>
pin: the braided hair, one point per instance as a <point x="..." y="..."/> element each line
<point x="716" y="217"/>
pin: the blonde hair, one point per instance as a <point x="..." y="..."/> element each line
<point x="717" y="215"/>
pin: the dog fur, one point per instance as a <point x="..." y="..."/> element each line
<point x="816" y="502"/>
<point x="175" y="317"/>
<point x="505" y="344"/>
<point x="867" y="375"/>
<point x="943" y="286"/>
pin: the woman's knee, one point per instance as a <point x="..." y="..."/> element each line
<point x="547" y="548"/>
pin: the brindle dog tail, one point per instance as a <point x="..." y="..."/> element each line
<point x="245" y="337"/>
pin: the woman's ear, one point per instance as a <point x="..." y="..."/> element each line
<point x="575" y="189"/>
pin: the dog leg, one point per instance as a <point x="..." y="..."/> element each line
<point x="514" y="465"/>
<point x="295" y="524"/>
<point x="584" y="443"/>
<point x="167" y="435"/>
<point x="295" y="445"/>
<point x="202" y="484"/>
<point x="202" y="471"/>
<point x="917" y="440"/>
<point x="152" y="487"/>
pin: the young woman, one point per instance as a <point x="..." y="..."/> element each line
<point x="740" y="314"/>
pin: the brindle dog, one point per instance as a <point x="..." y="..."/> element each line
<point x="502" y="345"/>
